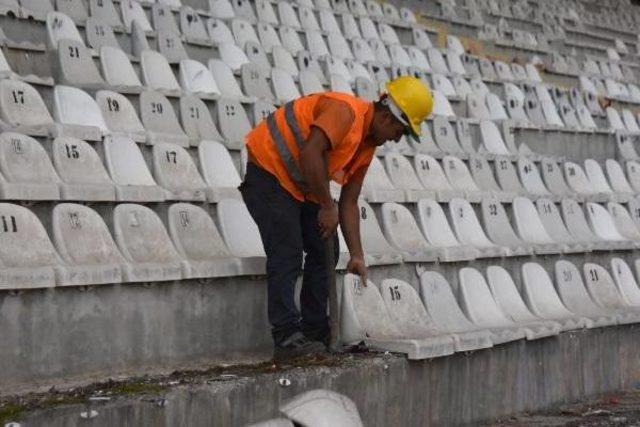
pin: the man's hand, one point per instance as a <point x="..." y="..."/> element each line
<point x="328" y="220"/>
<point x="357" y="266"/>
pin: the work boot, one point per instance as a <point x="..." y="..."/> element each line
<point x="296" y="346"/>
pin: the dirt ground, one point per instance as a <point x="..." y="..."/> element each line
<point x="617" y="409"/>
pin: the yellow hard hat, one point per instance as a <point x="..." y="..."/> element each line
<point x="413" y="97"/>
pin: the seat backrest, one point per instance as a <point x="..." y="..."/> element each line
<point x="434" y="224"/>
<point x="441" y="304"/>
<point x="430" y="173"/>
<point x="476" y="300"/>
<point x="24" y="160"/>
<point x="233" y="121"/>
<point x="363" y="312"/>
<point x="623" y="221"/>
<point x="81" y="236"/>
<point x="401" y="172"/>
<point x="616" y="177"/>
<point x="61" y="27"/>
<point x="104" y="11"/>
<point x="571" y="288"/>
<point x="596" y="176"/>
<point x="191" y="24"/>
<point x="174" y="169"/>
<point x="196" y="78"/>
<point x="376" y="177"/>
<point x="401" y="229"/>
<point x="540" y="294"/>
<point x="506" y="295"/>
<point x="497" y="224"/>
<point x="217" y="165"/>
<point x="219" y="32"/>
<point x="602" y="223"/>
<point x="482" y="174"/>
<point x="74" y="106"/>
<point x="507" y="176"/>
<point x="141" y="235"/>
<point x="492" y="139"/>
<point x="156" y="71"/>
<point x="625" y="281"/>
<point x="118" y="112"/>
<point x="125" y="163"/>
<point x="25" y="242"/>
<point x="406" y="309"/>
<point x="225" y="79"/>
<point x="458" y="174"/>
<point x="194" y="233"/>
<point x="239" y="230"/>
<point x="577" y="179"/>
<point x="373" y="240"/>
<point x="445" y="136"/>
<point x="576" y="221"/>
<point x="552" y="221"/>
<point x="601" y="286"/>
<point x="132" y="12"/>
<point x="76" y="162"/>
<point x="553" y="177"/>
<point x="117" y="68"/>
<point x="196" y="119"/>
<point x="466" y="224"/>
<point x="21" y="104"/>
<point x="530" y="177"/>
<point x="528" y="222"/>
<point x="157" y="114"/>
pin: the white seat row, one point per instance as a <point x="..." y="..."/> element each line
<point x="456" y="233"/>
<point x="77" y="173"/>
<point x="490" y="311"/>
<point x="84" y="252"/>
<point x="400" y="179"/>
<point x="79" y="115"/>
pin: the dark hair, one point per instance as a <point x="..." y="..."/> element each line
<point x="378" y="105"/>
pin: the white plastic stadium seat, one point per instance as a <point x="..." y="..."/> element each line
<point x="77" y="114"/>
<point x="480" y="307"/>
<point x="145" y="244"/>
<point x="120" y="115"/>
<point x="553" y="224"/>
<point x="219" y="173"/>
<point x="447" y="316"/>
<point x="625" y="281"/>
<point x="317" y="406"/>
<point x="195" y="78"/>
<point x="436" y="228"/>
<point x="132" y="12"/>
<point x="198" y="241"/>
<point x="364" y="317"/>
<point x="159" y="119"/>
<point x="241" y="235"/>
<point x="61" y="27"/>
<point x="530" y="227"/>
<point x="23" y="110"/>
<point x="605" y="293"/>
<point x="26" y="170"/>
<point x="118" y="71"/>
<point x="508" y="299"/>
<point x="499" y="228"/>
<point x="402" y="232"/>
<point x="176" y="173"/>
<point x="82" y="174"/>
<point x="377" y="187"/>
<point x="27" y="256"/>
<point x="157" y="73"/>
<point x="129" y="171"/>
<point x="410" y="317"/>
<point x="543" y="301"/>
<point x="404" y="177"/>
<point x="574" y="295"/>
<point x="85" y="243"/>
<point x="433" y="178"/>
<point x="470" y="232"/>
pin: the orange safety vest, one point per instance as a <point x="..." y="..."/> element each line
<point x="276" y="141"/>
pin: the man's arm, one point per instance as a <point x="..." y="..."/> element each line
<point x="350" y="223"/>
<point x="313" y="166"/>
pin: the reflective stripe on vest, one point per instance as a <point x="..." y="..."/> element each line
<point x="281" y="145"/>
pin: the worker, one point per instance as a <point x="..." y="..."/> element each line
<point x="292" y="156"/>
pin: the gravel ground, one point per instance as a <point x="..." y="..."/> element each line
<point x="617" y="409"/>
